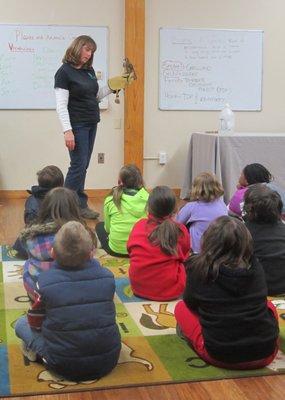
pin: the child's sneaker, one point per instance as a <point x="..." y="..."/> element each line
<point x="88" y="213"/>
<point x="29" y="354"/>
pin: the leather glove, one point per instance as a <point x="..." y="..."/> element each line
<point x="118" y="83"/>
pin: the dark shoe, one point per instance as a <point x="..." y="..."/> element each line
<point x="88" y="213"/>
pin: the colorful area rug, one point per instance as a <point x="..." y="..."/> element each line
<point x="151" y="351"/>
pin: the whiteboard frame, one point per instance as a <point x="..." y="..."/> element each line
<point x="261" y="31"/>
<point x="103" y="105"/>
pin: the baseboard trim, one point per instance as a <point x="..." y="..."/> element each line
<point x="92" y="193"/>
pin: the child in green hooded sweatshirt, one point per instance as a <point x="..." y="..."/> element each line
<point x="123" y="207"/>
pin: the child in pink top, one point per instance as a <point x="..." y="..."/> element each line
<point x="251" y="174"/>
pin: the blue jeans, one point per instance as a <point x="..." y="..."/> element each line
<point x="84" y="135"/>
<point x="33" y="339"/>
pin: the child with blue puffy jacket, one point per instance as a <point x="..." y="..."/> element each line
<point x="71" y="325"/>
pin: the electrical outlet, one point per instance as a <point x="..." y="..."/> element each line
<point x="101" y="158"/>
<point x="162" y="157"/>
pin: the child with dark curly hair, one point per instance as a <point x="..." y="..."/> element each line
<point x="250" y="175"/>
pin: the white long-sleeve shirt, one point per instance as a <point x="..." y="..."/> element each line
<point x="62" y="96"/>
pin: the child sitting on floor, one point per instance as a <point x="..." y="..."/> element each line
<point x="48" y="178"/>
<point x="158" y="247"/>
<point x="59" y="206"/>
<point x="206" y="204"/>
<point x="262" y="208"/>
<point x="251" y="174"/>
<point x="122" y="209"/>
<point x="225" y="315"/>
<point x="71" y="326"/>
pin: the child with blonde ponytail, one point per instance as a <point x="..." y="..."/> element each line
<point x="158" y="247"/>
<point x="123" y="207"/>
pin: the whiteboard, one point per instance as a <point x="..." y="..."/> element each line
<point x="203" y="69"/>
<point x="30" y="55"/>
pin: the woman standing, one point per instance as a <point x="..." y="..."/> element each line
<point x="77" y="104"/>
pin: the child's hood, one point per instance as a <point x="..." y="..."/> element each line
<point x="135" y="204"/>
<point x="38" y="191"/>
<point x="235" y="280"/>
<point x="37" y="230"/>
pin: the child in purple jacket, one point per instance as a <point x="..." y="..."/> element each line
<point x="206" y="204"/>
<point x="251" y="174"/>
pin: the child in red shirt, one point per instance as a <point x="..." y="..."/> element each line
<point x="158" y="246"/>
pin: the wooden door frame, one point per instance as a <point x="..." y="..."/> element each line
<point x="134" y="95"/>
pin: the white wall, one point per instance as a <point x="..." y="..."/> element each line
<point x="170" y="130"/>
<point x="32" y="139"/>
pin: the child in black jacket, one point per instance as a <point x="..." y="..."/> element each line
<point x="48" y="178"/>
<point x="263" y="210"/>
<point x="225" y="314"/>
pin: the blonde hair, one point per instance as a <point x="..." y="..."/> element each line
<point x="73" y="53"/>
<point x="72" y="245"/>
<point x="206" y="188"/>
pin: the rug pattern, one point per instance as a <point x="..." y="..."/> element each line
<point x="151" y="351"/>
